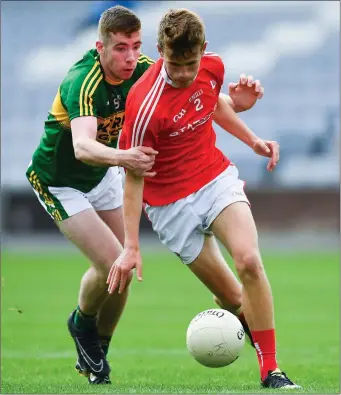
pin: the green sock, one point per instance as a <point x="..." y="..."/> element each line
<point x="84" y="321"/>
<point x="105" y="343"/>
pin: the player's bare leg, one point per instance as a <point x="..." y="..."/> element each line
<point x="211" y="269"/>
<point x="236" y="229"/>
<point x="112" y="308"/>
<point x="95" y="239"/>
<point x="241" y="240"/>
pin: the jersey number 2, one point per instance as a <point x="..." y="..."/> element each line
<point x="198" y="105"/>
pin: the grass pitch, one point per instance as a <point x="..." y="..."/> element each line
<point x="148" y="352"/>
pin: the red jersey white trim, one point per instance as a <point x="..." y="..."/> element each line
<point x="211" y="54"/>
<point x="177" y="122"/>
<point x="140" y="124"/>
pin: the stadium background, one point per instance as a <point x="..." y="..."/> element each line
<point x="293" y="47"/>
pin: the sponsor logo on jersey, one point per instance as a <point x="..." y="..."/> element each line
<point x="108" y="129"/>
<point x="193" y="125"/>
<point x="179" y="116"/>
<point x="213" y="84"/>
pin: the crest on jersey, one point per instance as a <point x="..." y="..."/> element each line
<point x="108" y="129"/>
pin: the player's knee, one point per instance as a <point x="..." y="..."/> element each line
<point x="249" y="265"/>
<point x="126" y="288"/>
<point x="103" y="264"/>
<point x="102" y="269"/>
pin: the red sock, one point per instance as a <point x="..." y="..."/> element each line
<point x="265" y="343"/>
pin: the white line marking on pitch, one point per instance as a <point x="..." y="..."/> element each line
<point x="11" y="354"/>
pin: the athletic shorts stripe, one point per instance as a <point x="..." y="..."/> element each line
<point x="52" y="204"/>
<point x="62" y="202"/>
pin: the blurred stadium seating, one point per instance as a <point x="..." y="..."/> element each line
<point x="300" y="107"/>
<point x="293" y="47"/>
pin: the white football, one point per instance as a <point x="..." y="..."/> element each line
<point x="215" y="338"/>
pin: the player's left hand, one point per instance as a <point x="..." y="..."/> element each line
<point x="269" y="149"/>
<point x="119" y="272"/>
<point x="245" y="92"/>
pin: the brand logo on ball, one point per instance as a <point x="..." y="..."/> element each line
<point x="240" y="334"/>
<point x="218" y="314"/>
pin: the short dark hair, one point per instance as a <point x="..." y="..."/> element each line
<point x="181" y="31"/>
<point x="117" y="19"/>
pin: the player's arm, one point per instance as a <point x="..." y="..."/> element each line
<point x="132" y="198"/>
<point x="91" y="152"/>
<point x="224" y="98"/>
<point x="86" y="148"/>
<point x="131" y="256"/>
<point x="227" y="119"/>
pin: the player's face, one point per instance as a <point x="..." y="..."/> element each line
<point x="119" y="56"/>
<point x="182" y="71"/>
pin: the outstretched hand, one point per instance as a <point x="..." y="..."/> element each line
<point x="245" y="92"/>
<point x="119" y="272"/>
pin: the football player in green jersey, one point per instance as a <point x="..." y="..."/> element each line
<point x="75" y="172"/>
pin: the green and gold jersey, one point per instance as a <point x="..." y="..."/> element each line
<point x="85" y="91"/>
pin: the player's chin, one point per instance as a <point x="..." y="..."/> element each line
<point x="126" y="74"/>
<point x="184" y="84"/>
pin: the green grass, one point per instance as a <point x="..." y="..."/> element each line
<point x="148" y="352"/>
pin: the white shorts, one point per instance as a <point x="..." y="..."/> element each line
<point x="64" y="202"/>
<point x="182" y="225"/>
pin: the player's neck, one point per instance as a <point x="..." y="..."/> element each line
<point x="108" y="75"/>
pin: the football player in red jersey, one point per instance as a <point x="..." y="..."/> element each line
<point x="195" y="195"/>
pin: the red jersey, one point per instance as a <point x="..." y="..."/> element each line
<point x="177" y="122"/>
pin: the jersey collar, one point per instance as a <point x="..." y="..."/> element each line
<point x="164" y="75"/>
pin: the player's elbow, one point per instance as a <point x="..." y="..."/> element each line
<point x="79" y="148"/>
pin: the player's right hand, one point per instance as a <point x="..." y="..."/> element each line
<point x="139" y="159"/>
<point x="269" y="149"/>
<point x="119" y="272"/>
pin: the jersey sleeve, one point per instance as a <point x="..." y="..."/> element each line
<point x="216" y="67"/>
<point x="79" y="92"/>
<point x="138" y="129"/>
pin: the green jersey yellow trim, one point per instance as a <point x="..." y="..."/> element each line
<point x="59" y="112"/>
<point x="89" y="85"/>
<point x="112" y="82"/>
<point x="145" y="59"/>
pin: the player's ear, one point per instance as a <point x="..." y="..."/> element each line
<point x="204" y="47"/>
<point x="100" y="47"/>
<point x="159" y="50"/>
